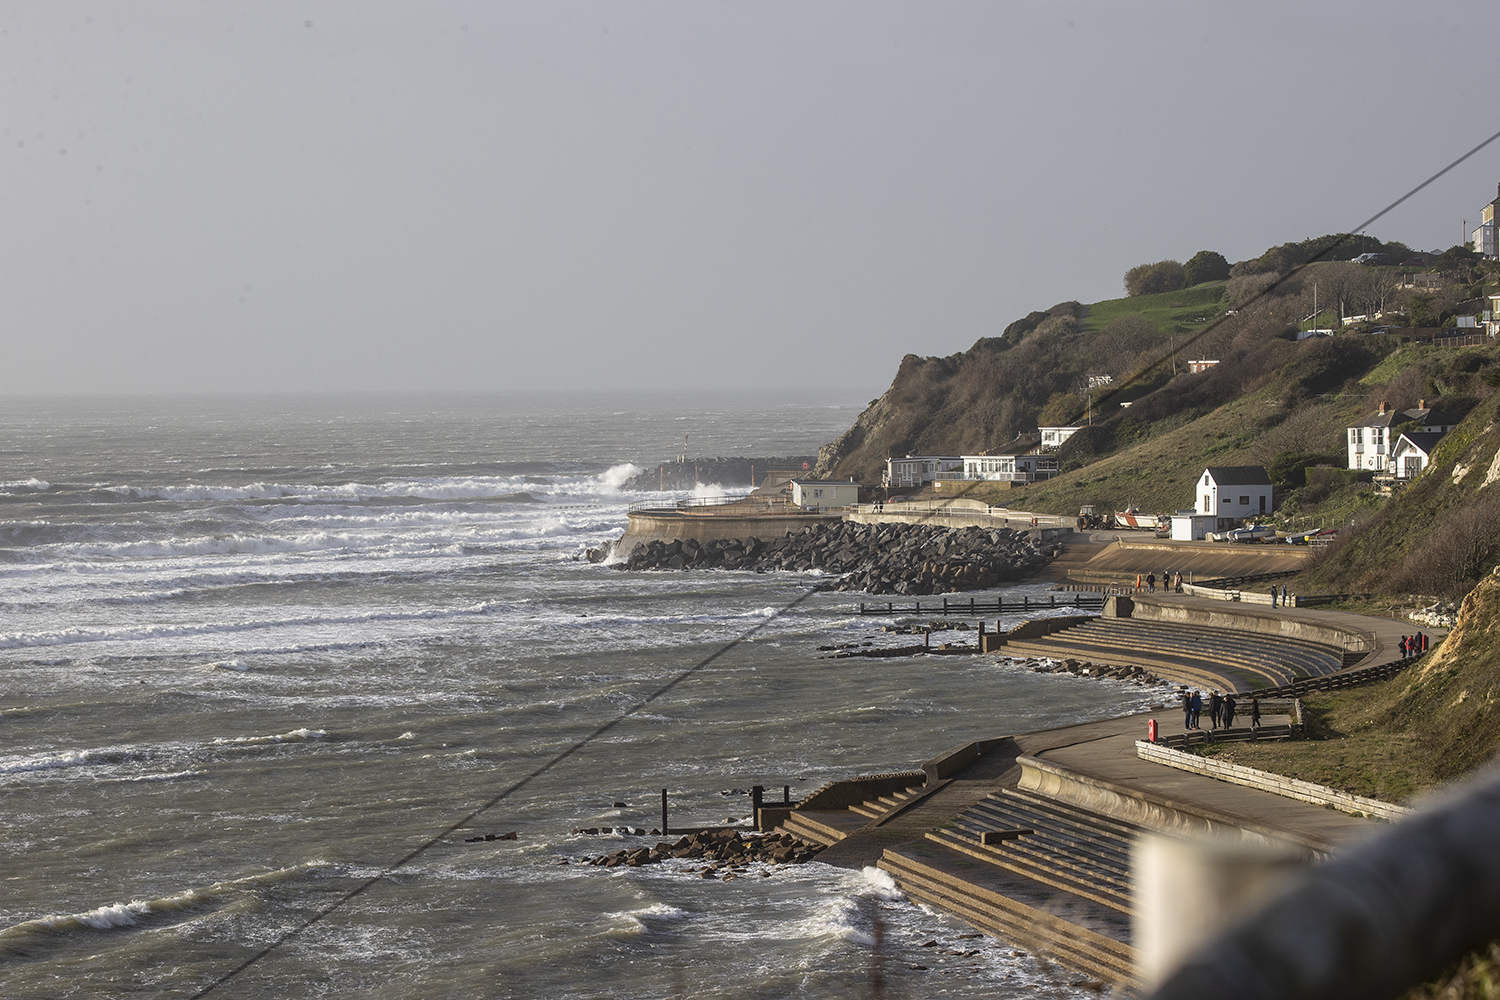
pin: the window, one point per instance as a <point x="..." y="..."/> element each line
<point x="1208" y="503"/>
<point x="1244" y="501"/>
<point x="817" y="493"/>
<point x="1227" y="500"/>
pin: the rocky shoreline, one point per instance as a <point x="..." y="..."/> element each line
<point x="908" y="559"/>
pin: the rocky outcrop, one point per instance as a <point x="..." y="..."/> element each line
<point x="906" y="559"/>
<point x="729" y="854"/>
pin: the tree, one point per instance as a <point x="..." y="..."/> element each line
<point x="1148" y="279"/>
<point x="1205" y="265"/>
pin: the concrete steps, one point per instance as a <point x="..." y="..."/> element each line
<point x="878" y="807"/>
<point x="822" y="826"/>
<point x="1095" y="940"/>
<point x="1049" y="842"/>
<point x="1205" y="657"/>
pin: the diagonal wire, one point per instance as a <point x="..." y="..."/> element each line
<point x="501" y="796"/>
<point x="578" y="745"/>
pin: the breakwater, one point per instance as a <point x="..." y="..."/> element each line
<point x="685" y="475"/>
<point x="906" y="559"/>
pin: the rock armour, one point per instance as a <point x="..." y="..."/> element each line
<point x="905" y="559"/>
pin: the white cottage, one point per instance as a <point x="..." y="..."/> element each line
<point x="1371" y="438"/>
<point x="818" y="494"/>
<point x="1412" y="453"/>
<point x="918" y="470"/>
<point x="1231" y="493"/>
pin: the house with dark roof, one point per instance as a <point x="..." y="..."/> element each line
<point x="1412" y="453"/>
<point x="1231" y="493"/>
<point x="1371" y="437"/>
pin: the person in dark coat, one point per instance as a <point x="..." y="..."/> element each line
<point x="1254" y="713"/>
<point x="1150" y="583"/>
<point x="1197" y="709"/>
<point x="1215" y="706"/>
<point x="1405" y="647"/>
<point x="1273" y="595"/>
<point x="1187" y="709"/>
<point x="1228" y="710"/>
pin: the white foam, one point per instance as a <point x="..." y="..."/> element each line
<point x="293" y="736"/>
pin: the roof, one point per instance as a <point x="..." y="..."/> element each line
<point x="1427" y="416"/>
<point x="824" y="482"/>
<point x="1423" y="441"/>
<point x="1239" y="475"/>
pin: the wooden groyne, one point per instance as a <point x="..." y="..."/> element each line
<point x="977" y="606"/>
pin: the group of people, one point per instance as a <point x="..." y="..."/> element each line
<point x="1220" y="710"/>
<point x="1413" y="645"/>
<point x="1169" y="581"/>
<point x="1284" y="602"/>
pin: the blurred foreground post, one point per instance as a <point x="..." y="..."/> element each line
<point x="1190" y="890"/>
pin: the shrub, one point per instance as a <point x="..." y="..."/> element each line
<point x="1149" y="279"/>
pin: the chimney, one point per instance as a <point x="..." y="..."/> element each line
<point x="1382" y="407"/>
<point x="1421" y="404"/>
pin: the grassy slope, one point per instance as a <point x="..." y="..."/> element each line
<point x="1407" y="735"/>
<point x="1182" y="311"/>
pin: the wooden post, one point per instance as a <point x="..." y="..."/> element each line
<point x="664" y="830"/>
<point x="786" y="795"/>
<point x="756" y="794"/>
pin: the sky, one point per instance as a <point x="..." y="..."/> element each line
<point x="266" y="196"/>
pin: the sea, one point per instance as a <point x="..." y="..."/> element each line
<point x="271" y="663"/>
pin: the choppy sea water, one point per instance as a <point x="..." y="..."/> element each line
<point x="256" y="651"/>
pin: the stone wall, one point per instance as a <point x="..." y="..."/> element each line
<point x="1265" y="781"/>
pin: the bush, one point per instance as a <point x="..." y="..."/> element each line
<point x="1205" y="265"/>
<point x="1149" y="279"/>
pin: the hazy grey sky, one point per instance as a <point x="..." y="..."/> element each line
<point x="365" y="195"/>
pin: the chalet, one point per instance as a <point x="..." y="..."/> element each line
<point x="1053" y="437"/>
<point x="1231" y="493"/>
<point x="918" y="470"/>
<point x="818" y="494"/>
<point x="1017" y="470"/>
<point x="1412" y="453"/>
<point x="1371" y="437"/>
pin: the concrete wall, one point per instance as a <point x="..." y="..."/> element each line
<point x="1292" y="788"/>
<point x="647" y="527"/>
<point x="842" y="794"/>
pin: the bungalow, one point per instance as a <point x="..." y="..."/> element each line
<point x="1053" y="437"/>
<point x="1231" y="493"/>
<point x="917" y="470"/>
<point x="1014" y="469"/>
<point x="1370" y="439"/>
<point x="1412" y="453"/>
<point x="818" y="494"/>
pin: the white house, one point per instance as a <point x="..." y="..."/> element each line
<point x="1005" y="468"/>
<point x="1370" y="439"/>
<point x="1231" y="493"/>
<point x="817" y="494"/>
<point x="918" y="470"/>
<point x="1190" y="526"/>
<point x="1053" y="437"/>
<point x="1412" y="453"/>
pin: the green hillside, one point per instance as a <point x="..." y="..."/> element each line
<point x="1271" y="401"/>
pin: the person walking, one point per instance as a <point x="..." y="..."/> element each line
<point x="1197" y="709"/>
<point x="1405" y="647"/>
<point x="1151" y="583"/>
<point x="1215" y="705"/>
<point x="1229" y="710"/>
<point x="1273" y="596"/>
<point x="1255" y="714"/>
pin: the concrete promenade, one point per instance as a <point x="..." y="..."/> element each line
<point x="1086" y="793"/>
